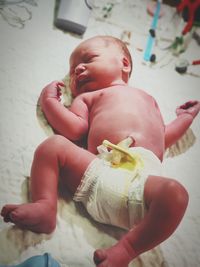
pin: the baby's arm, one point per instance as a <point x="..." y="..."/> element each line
<point x="185" y="115"/>
<point x="71" y="123"/>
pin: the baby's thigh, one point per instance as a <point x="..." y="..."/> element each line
<point x="72" y="159"/>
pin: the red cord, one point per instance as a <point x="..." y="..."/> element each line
<point x="196" y="62"/>
<point x="192" y="7"/>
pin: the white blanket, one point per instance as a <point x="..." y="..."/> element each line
<point x="37" y="54"/>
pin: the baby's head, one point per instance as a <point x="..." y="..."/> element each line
<point x="99" y="62"/>
<point x="111" y="41"/>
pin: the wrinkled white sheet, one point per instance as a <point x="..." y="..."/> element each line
<point x="35" y="55"/>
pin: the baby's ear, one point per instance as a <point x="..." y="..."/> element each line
<point x="126" y="65"/>
<point x="126" y="69"/>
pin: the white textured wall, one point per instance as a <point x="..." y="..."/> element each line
<point x="33" y="56"/>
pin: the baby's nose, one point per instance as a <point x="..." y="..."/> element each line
<point x="79" y="69"/>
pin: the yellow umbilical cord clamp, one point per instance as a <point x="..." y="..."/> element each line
<point x="122" y="158"/>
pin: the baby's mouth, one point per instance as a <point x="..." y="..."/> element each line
<point x="81" y="80"/>
<point x="81" y="77"/>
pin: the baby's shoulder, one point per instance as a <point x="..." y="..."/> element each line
<point x="144" y="95"/>
<point x="88" y="97"/>
<point x="140" y="91"/>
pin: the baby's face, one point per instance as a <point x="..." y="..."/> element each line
<point x="94" y="66"/>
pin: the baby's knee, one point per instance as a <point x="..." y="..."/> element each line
<point x="51" y="146"/>
<point x="177" y="195"/>
<point x="56" y="141"/>
<point x="179" y="191"/>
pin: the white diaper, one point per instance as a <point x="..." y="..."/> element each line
<point x="114" y="195"/>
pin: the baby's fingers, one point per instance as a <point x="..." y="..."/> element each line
<point x="59" y="93"/>
<point x="190" y="107"/>
<point x="189" y="104"/>
<point x="58" y="84"/>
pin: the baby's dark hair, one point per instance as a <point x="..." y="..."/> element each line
<point x="110" y="40"/>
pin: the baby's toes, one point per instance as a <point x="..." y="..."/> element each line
<point x="6" y="211"/>
<point x="99" y="256"/>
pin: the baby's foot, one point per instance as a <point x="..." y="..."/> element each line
<point x="116" y="256"/>
<point x="38" y="217"/>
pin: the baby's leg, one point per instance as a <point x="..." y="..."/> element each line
<point x="52" y="156"/>
<point x="166" y="201"/>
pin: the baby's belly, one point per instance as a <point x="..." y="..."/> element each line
<point x="96" y="139"/>
<point x="153" y="143"/>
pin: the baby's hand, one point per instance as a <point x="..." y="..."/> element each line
<point x="52" y="90"/>
<point x="191" y="107"/>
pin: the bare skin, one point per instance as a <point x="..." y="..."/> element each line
<point x="104" y="107"/>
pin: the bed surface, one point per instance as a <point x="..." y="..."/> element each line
<point x="33" y="53"/>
